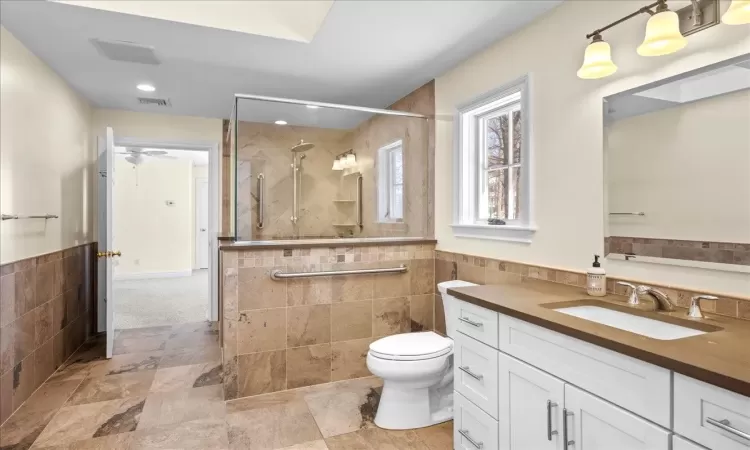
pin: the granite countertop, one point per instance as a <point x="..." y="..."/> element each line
<point x="332" y="242"/>
<point x="720" y="357"/>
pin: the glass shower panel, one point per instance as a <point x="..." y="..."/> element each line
<point x="289" y="184"/>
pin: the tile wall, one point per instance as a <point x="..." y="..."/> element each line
<point x="450" y="266"/>
<point x="706" y="251"/>
<point x="281" y="335"/>
<point x="47" y="310"/>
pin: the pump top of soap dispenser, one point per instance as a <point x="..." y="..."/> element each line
<point x="596" y="267"/>
<point x="596" y="261"/>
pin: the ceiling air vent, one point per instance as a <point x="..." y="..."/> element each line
<point x="154" y="101"/>
<point x="126" y="51"/>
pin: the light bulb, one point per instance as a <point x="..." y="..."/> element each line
<point x="351" y="160"/>
<point x="597" y="60"/>
<point x="663" y="35"/>
<point x="337" y="165"/>
<point x="738" y="13"/>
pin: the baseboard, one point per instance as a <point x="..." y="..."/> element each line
<point x="150" y="275"/>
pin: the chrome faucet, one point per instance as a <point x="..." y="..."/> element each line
<point x="662" y="300"/>
<point x="695" y="306"/>
<point x="633" y="299"/>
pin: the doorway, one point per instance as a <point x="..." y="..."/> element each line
<point x="163" y="213"/>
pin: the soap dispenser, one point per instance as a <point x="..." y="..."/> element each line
<point x="596" y="279"/>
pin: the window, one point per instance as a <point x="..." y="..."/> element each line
<point x="493" y="198"/>
<point x="391" y="182"/>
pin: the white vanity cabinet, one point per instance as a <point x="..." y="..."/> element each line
<point x="550" y="386"/>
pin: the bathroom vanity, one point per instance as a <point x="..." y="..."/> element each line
<point x="531" y="376"/>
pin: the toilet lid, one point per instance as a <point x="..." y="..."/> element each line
<point x="411" y="346"/>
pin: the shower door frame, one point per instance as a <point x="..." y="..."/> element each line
<point x="292" y="101"/>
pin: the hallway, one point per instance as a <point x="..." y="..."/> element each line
<point x="162" y="390"/>
<point x="161" y="301"/>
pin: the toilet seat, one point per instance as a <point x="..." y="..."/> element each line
<point x="411" y="346"/>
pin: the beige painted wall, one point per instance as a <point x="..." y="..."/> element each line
<point x="152" y="236"/>
<point x="567" y="133"/>
<point x="162" y="127"/>
<point x="46" y="156"/>
<point x="695" y="184"/>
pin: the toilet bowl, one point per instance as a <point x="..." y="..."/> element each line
<point x="417" y="373"/>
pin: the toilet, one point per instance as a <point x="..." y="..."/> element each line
<point x="417" y="373"/>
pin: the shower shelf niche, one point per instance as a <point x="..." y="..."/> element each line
<point x="344" y="201"/>
<point x="345" y="225"/>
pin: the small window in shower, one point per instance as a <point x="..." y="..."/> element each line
<point x="391" y="182"/>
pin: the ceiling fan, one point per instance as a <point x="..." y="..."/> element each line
<point x="137" y="155"/>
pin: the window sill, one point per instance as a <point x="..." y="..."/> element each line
<point x="508" y="233"/>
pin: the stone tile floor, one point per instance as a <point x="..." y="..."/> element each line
<point x="162" y="390"/>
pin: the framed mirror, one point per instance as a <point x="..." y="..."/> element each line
<point x="677" y="170"/>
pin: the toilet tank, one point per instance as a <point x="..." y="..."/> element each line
<point x="449" y="303"/>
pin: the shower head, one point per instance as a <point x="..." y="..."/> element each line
<point x="302" y="147"/>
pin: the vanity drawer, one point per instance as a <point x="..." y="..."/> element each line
<point x="697" y="404"/>
<point x="637" y="386"/>
<point x="473" y="429"/>
<point x="475" y="372"/>
<point x="477" y="322"/>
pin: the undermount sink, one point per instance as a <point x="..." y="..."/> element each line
<point x="655" y="329"/>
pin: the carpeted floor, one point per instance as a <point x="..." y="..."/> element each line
<point x="161" y="301"/>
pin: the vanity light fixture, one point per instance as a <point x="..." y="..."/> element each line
<point x="597" y="61"/>
<point x="738" y="13"/>
<point x="346" y="160"/>
<point x="665" y="33"/>
<point x="662" y="33"/>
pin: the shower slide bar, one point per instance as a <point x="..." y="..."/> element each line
<point x="261" y="182"/>
<point x="279" y="275"/>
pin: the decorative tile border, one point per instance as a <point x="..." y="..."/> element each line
<point x="491" y="271"/>
<point x="705" y="251"/>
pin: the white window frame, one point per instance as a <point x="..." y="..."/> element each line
<point x="469" y="147"/>
<point x="385" y="182"/>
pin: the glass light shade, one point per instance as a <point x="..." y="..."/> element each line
<point x="662" y="35"/>
<point x="351" y="160"/>
<point x="597" y="61"/>
<point x="738" y="13"/>
<point x="337" y="165"/>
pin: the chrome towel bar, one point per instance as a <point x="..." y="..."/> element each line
<point x="637" y="213"/>
<point x="279" y="275"/>
<point x="16" y="216"/>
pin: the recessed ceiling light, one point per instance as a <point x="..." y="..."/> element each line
<point x="280" y="122"/>
<point x="313" y="106"/>
<point x="146" y="87"/>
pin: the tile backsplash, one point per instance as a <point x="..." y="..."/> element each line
<point x="286" y="334"/>
<point x="706" y="251"/>
<point x="492" y="271"/>
<point x="47" y="310"/>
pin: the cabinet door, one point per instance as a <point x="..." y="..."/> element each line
<point x="594" y="424"/>
<point x="531" y="403"/>
<point x="679" y="443"/>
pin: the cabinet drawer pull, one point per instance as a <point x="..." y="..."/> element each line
<point x="465" y="434"/>
<point x="470" y="322"/>
<point x="550" y="433"/>
<point x="566" y="442"/>
<point x="726" y="426"/>
<point x="467" y="371"/>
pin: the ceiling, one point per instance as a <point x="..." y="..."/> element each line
<point x="368" y="53"/>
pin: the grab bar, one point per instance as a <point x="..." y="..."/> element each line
<point x="359" y="202"/>
<point x="16" y="217"/>
<point x="279" y="275"/>
<point x="261" y="182"/>
<point x="638" y="213"/>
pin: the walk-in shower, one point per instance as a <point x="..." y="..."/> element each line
<point x="297" y="157"/>
<point x="286" y="186"/>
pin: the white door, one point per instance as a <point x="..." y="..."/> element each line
<point x="106" y="301"/>
<point x="594" y="424"/>
<point x="530" y="407"/>
<point x="201" y="223"/>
